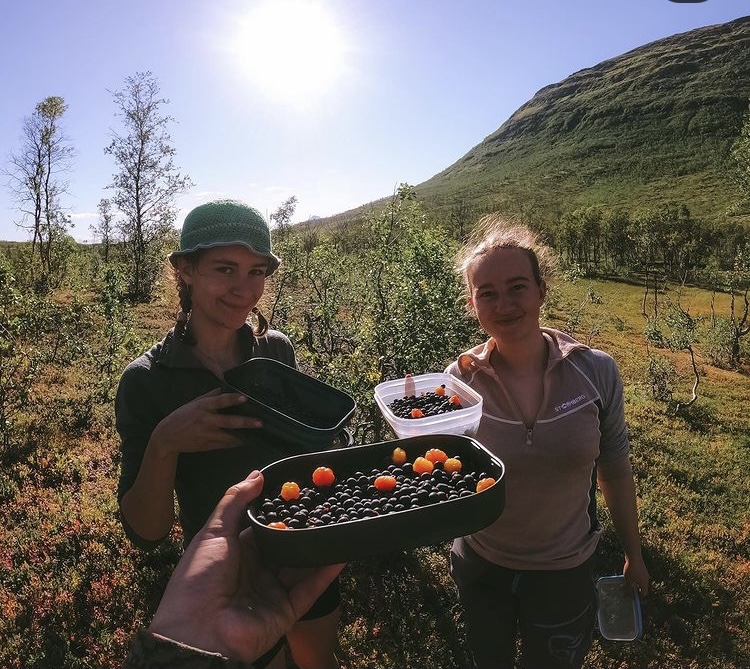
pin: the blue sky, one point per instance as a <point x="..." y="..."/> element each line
<point x="339" y="104"/>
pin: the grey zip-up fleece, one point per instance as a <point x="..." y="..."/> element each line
<point x="549" y="520"/>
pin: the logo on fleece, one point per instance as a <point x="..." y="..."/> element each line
<point x="570" y="403"/>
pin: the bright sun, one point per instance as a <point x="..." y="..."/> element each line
<point x="292" y="50"/>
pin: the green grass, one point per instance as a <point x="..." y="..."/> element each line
<point x="635" y="131"/>
<point x="73" y="592"/>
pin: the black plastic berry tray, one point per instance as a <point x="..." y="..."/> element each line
<point x="300" y="412"/>
<point x="395" y="531"/>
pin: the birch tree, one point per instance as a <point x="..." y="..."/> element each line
<point x="36" y="181"/>
<point x="146" y="181"/>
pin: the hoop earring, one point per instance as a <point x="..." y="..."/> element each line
<point x="254" y="319"/>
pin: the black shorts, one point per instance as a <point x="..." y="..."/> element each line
<point x="324" y="605"/>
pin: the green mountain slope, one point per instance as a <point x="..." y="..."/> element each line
<point x="651" y="126"/>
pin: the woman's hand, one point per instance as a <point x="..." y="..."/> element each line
<point x="200" y="425"/>
<point x="222" y="598"/>
<point x="148" y="507"/>
<point x="636" y="573"/>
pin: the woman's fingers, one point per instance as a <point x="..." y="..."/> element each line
<point x="216" y="401"/>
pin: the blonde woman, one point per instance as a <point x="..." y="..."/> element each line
<point x="553" y="412"/>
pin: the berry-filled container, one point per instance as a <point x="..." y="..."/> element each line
<point x="353" y="503"/>
<point x="302" y="413"/>
<point x="463" y="421"/>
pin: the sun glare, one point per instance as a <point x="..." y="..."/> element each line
<point x="292" y="50"/>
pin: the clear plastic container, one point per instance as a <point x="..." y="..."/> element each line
<point x="618" y="609"/>
<point x="463" y="421"/>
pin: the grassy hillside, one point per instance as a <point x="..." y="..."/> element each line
<point x="648" y="127"/>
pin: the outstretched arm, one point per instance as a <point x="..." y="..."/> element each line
<point x="223" y="598"/>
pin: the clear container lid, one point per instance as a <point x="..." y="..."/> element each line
<point x="618" y="609"/>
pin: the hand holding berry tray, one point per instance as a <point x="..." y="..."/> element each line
<point x="348" y="504"/>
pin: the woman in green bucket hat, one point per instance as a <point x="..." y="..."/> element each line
<point x="175" y="437"/>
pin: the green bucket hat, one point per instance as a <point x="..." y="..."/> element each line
<point x="223" y="223"/>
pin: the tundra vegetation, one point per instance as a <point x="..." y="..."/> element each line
<point x="368" y="298"/>
<point x="366" y="303"/>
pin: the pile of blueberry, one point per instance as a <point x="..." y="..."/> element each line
<point x="399" y="486"/>
<point x="427" y="404"/>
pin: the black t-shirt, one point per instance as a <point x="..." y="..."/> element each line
<point x="162" y="380"/>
